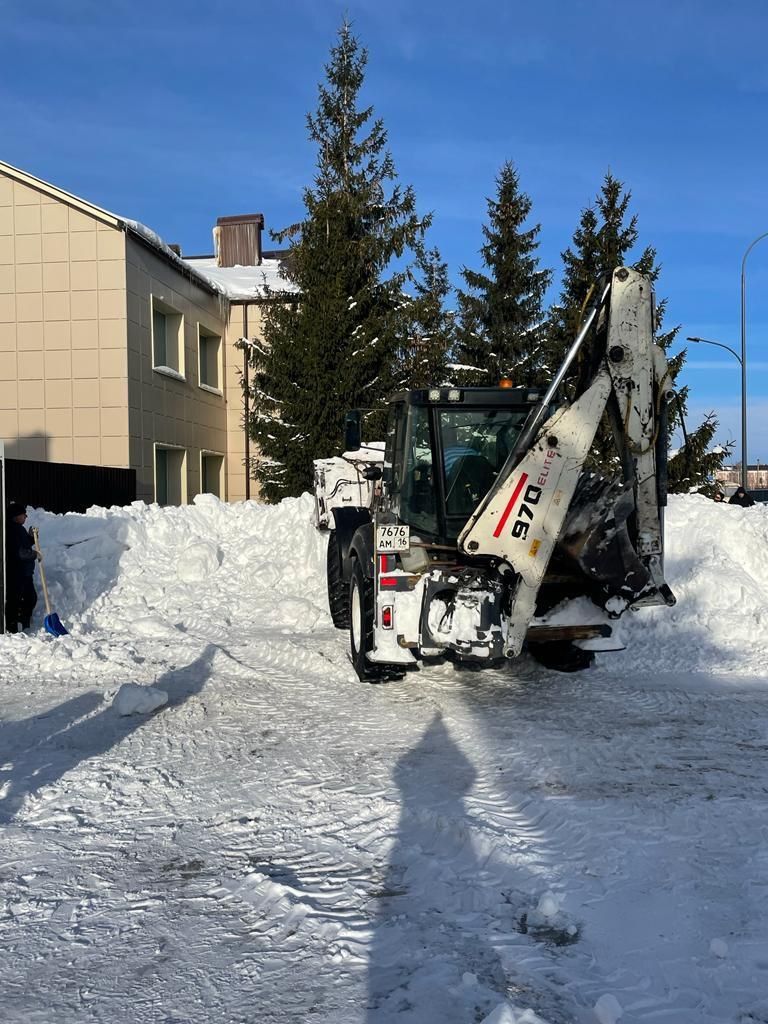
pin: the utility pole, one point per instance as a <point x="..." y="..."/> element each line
<point x="744" y="459"/>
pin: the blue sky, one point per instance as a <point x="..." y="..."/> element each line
<point x="176" y="113"/>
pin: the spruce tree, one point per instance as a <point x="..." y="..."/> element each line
<point x="429" y="328"/>
<point x="500" y="312"/>
<point x="603" y="241"/>
<point x="334" y="346"/>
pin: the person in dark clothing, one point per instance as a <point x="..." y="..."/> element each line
<point x="719" y="496"/>
<point x="20" y="557"/>
<point x="740" y="497"/>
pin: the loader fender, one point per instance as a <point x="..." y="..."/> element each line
<point x="346" y="524"/>
<point x="361" y="549"/>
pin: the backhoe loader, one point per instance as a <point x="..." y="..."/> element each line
<point x="476" y="525"/>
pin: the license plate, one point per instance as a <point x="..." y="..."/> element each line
<point x="393" y="538"/>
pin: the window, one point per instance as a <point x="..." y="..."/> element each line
<point x="167" y="339"/>
<point x="417" y="505"/>
<point x="170" y="475"/>
<point x="476" y="443"/>
<point x="212" y="473"/>
<point x="161" y="476"/>
<point x="158" y="337"/>
<point x="209" y="358"/>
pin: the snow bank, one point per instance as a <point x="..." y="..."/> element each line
<point x="160" y="572"/>
<point x="157" y="571"/>
<point x="717" y="566"/>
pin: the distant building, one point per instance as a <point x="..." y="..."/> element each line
<point x="117" y="351"/>
<point x="757" y="477"/>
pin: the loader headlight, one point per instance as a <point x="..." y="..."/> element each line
<point x="450" y="395"/>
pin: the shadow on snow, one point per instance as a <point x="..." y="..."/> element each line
<point x="36" y="752"/>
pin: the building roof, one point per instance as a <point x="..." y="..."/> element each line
<point x="239" y="283"/>
<point x="235" y="283"/>
<point x="58" y="193"/>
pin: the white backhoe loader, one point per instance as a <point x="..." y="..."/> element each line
<point x="477" y="519"/>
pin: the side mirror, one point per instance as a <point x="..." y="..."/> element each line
<point x="372" y="473"/>
<point x="352" y="431"/>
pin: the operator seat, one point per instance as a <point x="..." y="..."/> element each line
<point x="468" y="481"/>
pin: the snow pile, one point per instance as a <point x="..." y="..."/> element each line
<point x="158" y="572"/>
<point x="717" y="565"/>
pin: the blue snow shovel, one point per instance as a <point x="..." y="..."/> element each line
<point x="52" y="622"/>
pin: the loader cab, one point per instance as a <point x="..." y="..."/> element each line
<point x="444" y="449"/>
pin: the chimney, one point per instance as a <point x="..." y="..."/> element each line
<point x="237" y="240"/>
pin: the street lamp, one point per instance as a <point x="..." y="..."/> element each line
<point x="706" y="341"/>
<point x="740" y="360"/>
<point x="743" y="360"/>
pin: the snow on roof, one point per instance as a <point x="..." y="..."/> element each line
<point x="153" y="239"/>
<point x="242" y="282"/>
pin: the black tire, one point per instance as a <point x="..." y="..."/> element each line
<point x="360" y="613"/>
<point x="338" y="592"/>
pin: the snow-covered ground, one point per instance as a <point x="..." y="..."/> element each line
<point x="277" y="842"/>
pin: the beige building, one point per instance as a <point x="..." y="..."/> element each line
<point x="730" y="477"/>
<point x="116" y="351"/>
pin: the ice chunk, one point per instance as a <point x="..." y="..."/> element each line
<point x="132" y="699"/>
<point x="608" y="1009"/>
<point x="505" y="1013"/>
<point x="548" y="906"/>
<point x="718" y="948"/>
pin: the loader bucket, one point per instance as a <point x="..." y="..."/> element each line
<point x="597" y="536"/>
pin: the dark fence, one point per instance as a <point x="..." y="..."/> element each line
<point x="59" y="487"/>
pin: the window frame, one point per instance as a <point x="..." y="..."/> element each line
<point x="174" y="319"/>
<point x="183" y="488"/>
<point x="209" y="453"/>
<point x="204" y="332"/>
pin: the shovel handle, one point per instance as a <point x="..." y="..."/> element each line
<point x="36" y="540"/>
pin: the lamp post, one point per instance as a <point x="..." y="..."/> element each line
<point x="740" y="360"/>
<point x="749" y="249"/>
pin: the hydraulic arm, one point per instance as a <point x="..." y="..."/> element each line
<point x="621" y="371"/>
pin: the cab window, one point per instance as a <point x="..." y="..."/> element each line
<point x="475" y="443"/>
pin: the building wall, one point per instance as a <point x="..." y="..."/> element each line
<point x="162" y="409"/>
<point x="77" y="381"/>
<point x="63" y="360"/>
<point x="235" y="405"/>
